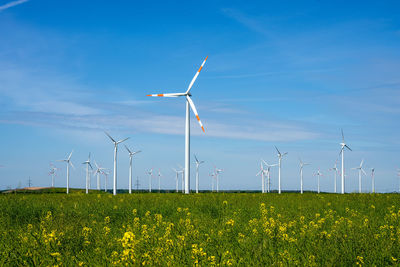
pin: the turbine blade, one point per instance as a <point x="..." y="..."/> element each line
<point x="342" y="136"/>
<point x="70" y="155"/>
<point x="363" y="171"/>
<point x="278" y="150"/>
<point x="195" y="112"/>
<point x="112" y="139"/>
<point x="348" y="147"/>
<point x="123" y="140"/>
<point x="195" y="76"/>
<point x="362" y="162"/>
<point x="167" y="95"/>
<point x="128" y="150"/>
<point x="134" y="153"/>
<point x="72" y="165"/>
<point x="196" y="159"/>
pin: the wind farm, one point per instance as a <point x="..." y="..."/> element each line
<point x="212" y="133"/>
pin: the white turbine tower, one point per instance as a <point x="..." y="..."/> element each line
<point x="280" y="156"/>
<point x="150" y="173"/>
<point x="97" y="172"/>
<point x="343" y="146"/>
<point x="373" y="179"/>
<point x="88" y="164"/>
<point x="318" y="173"/>
<point x="69" y="162"/>
<point x="190" y="103"/>
<point x="116" y="143"/>
<point x="131" y="154"/>
<point x="262" y="173"/>
<point x="197" y="173"/>
<point x="212" y="175"/>
<point x="269" y="174"/>
<point x="336" y="170"/>
<point x="360" y="169"/>
<point x="302" y="164"/>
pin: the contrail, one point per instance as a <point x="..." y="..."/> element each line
<point x="11" y="4"/>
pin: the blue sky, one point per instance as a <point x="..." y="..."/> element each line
<point x="290" y="74"/>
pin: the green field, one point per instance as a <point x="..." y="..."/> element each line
<point x="205" y="229"/>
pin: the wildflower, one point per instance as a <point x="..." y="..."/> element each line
<point x="107" y="219"/>
<point x="225" y="203"/>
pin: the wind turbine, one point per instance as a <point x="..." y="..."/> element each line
<point x="343" y="145"/>
<point x="197" y="173"/>
<point x="262" y="173"/>
<point x="177" y="178"/>
<point x="318" y="173"/>
<point x="217" y="172"/>
<point x="212" y="175"/>
<point x="336" y="170"/>
<point x="159" y="181"/>
<point x="97" y="172"/>
<point x="52" y="173"/>
<point x="373" y="179"/>
<point x="190" y="103"/>
<point x="280" y="156"/>
<point x="88" y="164"/>
<point x="360" y="169"/>
<point x="116" y="143"/>
<point x="105" y="173"/>
<point x="131" y="154"/>
<point x="150" y="173"/>
<point x="69" y="162"/>
<point x="183" y="178"/>
<point x="302" y="164"/>
<point x="269" y="173"/>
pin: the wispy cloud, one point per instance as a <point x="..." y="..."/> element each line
<point x="12" y="4"/>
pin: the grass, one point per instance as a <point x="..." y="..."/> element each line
<point x="205" y="229"/>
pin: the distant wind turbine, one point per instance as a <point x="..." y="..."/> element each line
<point x="116" y="143"/>
<point x="280" y="156"/>
<point x="150" y="173"/>
<point x="198" y="163"/>
<point x="52" y="173"/>
<point x="189" y="104"/>
<point x="177" y="178"/>
<point x="336" y="170"/>
<point x="302" y="164"/>
<point x="217" y="172"/>
<point x="105" y="173"/>
<point x="360" y="169"/>
<point x="97" y="172"/>
<point x="343" y="146"/>
<point x="212" y="175"/>
<point x="318" y="173"/>
<point x="262" y="173"/>
<point x="373" y="179"/>
<point x="159" y="181"/>
<point x="88" y="164"/>
<point x="269" y="174"/>
<point x="131" y="154"/>
<point x="68" y="162"/>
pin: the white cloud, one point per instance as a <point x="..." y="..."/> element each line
<point x="12" y="4"/>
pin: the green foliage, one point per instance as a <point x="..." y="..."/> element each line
<point x="205" y="229"/>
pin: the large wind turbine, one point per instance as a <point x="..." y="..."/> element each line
<point x="280" y="156"/>
<point x="360" y="169"/>
<point x="190" y="103"/>
<point x="318" y="173"/>
<point x="335" y="169"/>
<point x="343" y="144"/>
<point x="69" y="162"/>
<point x="97" y="172"/>
<point x="131" y="154"/>
<point x="269" y="174"/>
<point x="116" y="143"/>
<point x="302" y="164"/>
<point x="88" y="164"/>
<point x="197" y="173"/>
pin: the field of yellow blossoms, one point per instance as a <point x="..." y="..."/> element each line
<point x="199" y="230"/>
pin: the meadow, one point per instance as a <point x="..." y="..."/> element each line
<point x="207" y="229"/>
